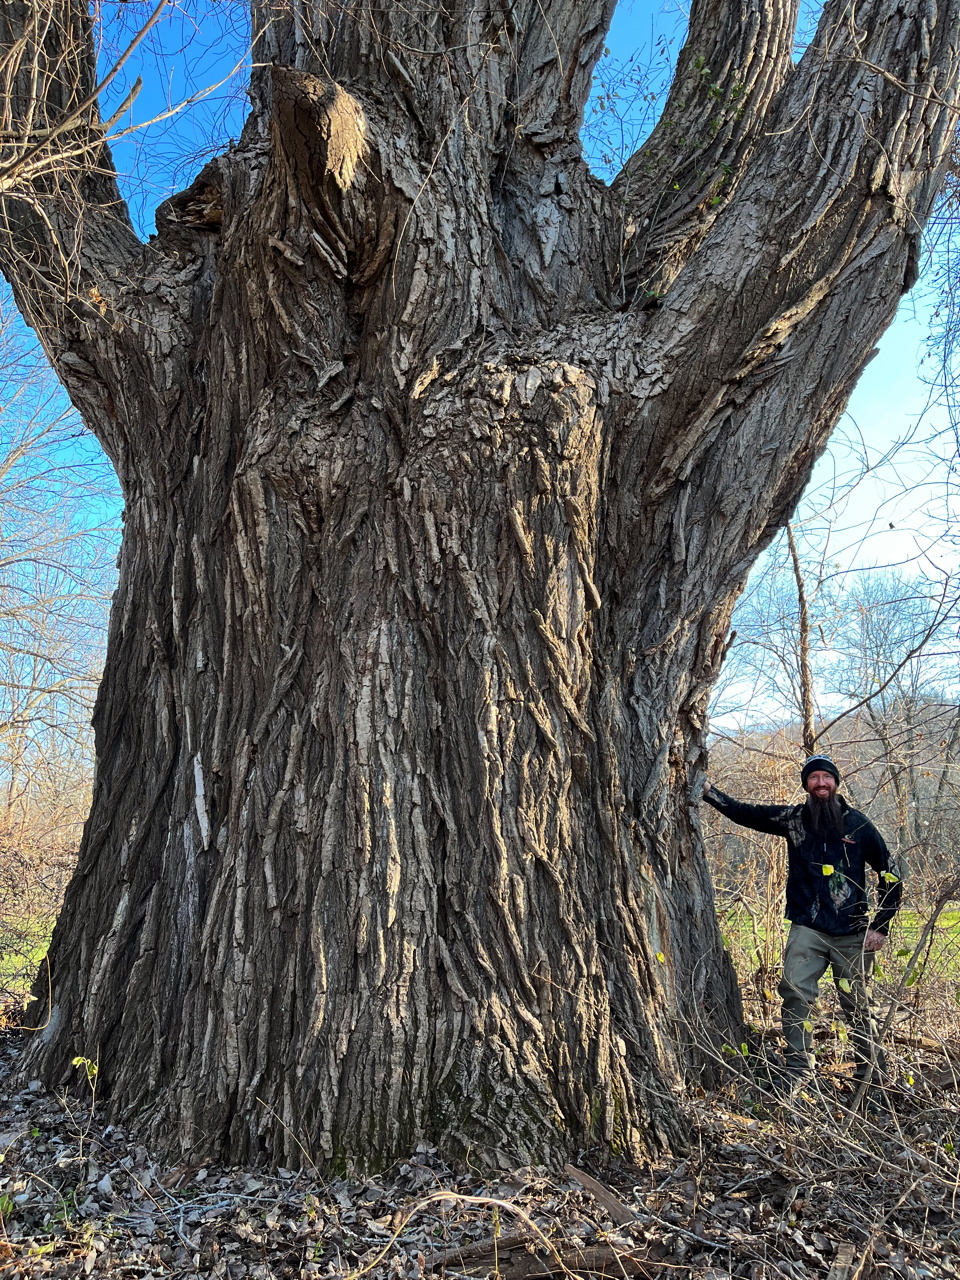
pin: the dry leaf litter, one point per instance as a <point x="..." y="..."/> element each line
<point x="795" y="1189"/>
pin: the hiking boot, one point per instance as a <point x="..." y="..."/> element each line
<point x="783" y="1084"/>
<point x="877" y="1105"/>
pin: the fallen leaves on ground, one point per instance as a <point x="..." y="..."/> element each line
<point x="795" y="1189"/>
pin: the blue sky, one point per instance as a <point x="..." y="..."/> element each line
<point x="194" y="66"/>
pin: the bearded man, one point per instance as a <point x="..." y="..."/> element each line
<point x="829" y="848"/>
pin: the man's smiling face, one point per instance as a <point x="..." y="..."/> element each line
<point x="821" y="785"/>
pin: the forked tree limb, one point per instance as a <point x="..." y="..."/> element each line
<point x="819" y="238"/>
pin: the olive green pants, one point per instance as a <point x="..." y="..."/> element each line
<point x="806" y="958"/>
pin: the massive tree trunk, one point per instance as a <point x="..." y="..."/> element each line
<point x="443" y="465"/>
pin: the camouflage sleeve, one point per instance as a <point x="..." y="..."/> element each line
<point x="770" y="818"/>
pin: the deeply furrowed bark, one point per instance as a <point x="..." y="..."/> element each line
<point x="430" y="547"/>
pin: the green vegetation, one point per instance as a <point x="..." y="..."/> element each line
<point x="24" y="941"/>
<point x="743" y="928"/>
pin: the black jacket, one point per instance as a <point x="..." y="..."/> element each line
<point x="826" y="875"/>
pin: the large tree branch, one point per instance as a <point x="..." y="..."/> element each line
<point x="668" y="195"/>
<point x="116" y="318"/>
<point x="738" y="379"/>
<point x="479" y="105"/>
<point x="66" y="226"/>
<point x="766" y="330"/>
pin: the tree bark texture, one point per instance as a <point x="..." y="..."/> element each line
<point x="443" y="465"/>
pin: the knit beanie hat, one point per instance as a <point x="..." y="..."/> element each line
<point x="816" y="764"/>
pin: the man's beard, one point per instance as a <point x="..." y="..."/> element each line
<point x="825" y="815"/>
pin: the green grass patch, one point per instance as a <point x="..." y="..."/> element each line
<point x="743" y="932"/>
<point x="746" y="938"/>
<point x="940" y="956"/>
<point x="909" y="924"/>
<point x="24" y="942"/>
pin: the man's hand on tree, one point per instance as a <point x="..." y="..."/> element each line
<point x="874" y="940"/>
<point x="706" y="787"/>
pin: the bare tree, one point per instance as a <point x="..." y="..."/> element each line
<point x="896" y="665"/>
<point x="57" y="554"/>
<point x="780" y="645"/>
<point x="58" y="517"/>
<point x="443" y="465"/>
